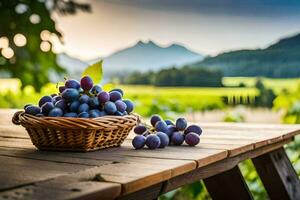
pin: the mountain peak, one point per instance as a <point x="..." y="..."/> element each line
<point x="148" y="43"/>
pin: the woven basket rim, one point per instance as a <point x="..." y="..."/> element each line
<point x="108" y="122"/>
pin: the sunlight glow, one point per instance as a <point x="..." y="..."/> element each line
<point x="20" y="40"/>
<point x="4" y="42"/>
<point x="45" y="46"/>
<point x="45" y="35"/>
<point x="8" y="53"/>
<point x="35" y="19"/>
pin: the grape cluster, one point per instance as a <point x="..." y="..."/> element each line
<point x="81" y="99"/>
<point x="162" y="133"/>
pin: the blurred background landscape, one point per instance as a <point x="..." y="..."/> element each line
<point x="209" y="60"/>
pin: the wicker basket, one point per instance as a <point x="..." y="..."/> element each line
<point x="76" y="134"/>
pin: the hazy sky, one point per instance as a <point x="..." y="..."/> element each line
<point x="205" y="26"/>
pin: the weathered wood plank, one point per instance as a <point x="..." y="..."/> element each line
<point x="149" y="193"/>
<point x="288" y="131"/>
<point x="65" y="187"/>
<point x="201" y="155"/>
<point x="228" y="185"/>
<point x="177" y="167"/>
<point x="218" y="167"/>
<point x="13" y="131"/>
<point x="129" y="171"/>
<point x="24" y="143"/>
<point x="20" y="171"/>
<point x="56" y="157"/>
<point x="278" y="175"/>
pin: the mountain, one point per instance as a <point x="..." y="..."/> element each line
<point x="279" y="60"/>
<point x="145" y="56"/>
<point x="72" y="65"/>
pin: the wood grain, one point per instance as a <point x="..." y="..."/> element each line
<point x="228" y="185"/>
<point x="20" y="171"/>
<point x="278" y="175"/>
<point x="65" y="187"/>
<point x="218" y="167"/>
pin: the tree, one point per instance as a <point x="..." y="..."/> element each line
<point x="27" y="32"/>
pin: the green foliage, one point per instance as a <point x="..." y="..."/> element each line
<point x="265" y="97"/>
<point x="185" y="76"/>
<point x="194" y="191"/>
<point x="94" y="71"/>
<point x="167" y="101"/>
<point x="276" y="84"/>
<point x="289" y="103"/>
<point x="29" y="63"/>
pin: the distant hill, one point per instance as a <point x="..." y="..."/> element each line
<point x="147" y="56"/>
<point x="279" y="60"/>
<point x="73" y="66"/>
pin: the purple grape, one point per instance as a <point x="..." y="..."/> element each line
<point x="181" y="124"/>
<point x="84" y="98"/>
<point x="74" y="106"/>
<point x="169" y="122"/>
<point x="154" y="119"/>
<point x="110" y="107"/>
<point x="121" y="106"/>
<point x="84" y="115"/>
<point x="129" y="105"/>
<point x="61" y="104"/>
<point x="40" y="115"/>
<point x="171" y="130"/>
<point x="102" y="113"/>
<point x="192" y="138"/>
<point x="115" y="96"/>
<point x="80" y="90"/>
<point x="56" y="112"/>
<point x="97" y="111"/>
<point x="177" y="138"/>
<point x="61" y="89"/>
<point x="94" y="102"/>
<point x="70" y="94"/>
<point x="193" y="128"/>
<point x="140" y="129"/>
<point x="118" y="90"/>
<point x="71" y="83"/>
<point x="94" y="113"/>
<point x="96" y="89"/>
<point x="161" y="126"/>
<point x="83" y="108"/>
<point x="139" y="141"/>
<point x="164" y="139"/>
<point x="47" y="107"/>
<point x="86" y="83"/>
<point x="103" y="97"/>
<point x="56" y="99"/>
<point x="32" y="110"/>
<point x="45" y="99"/>
<point x="70" y="114"/>
<point x="118" y="113"/>
<point x="152" y="141"/>
<point x="27" y="105"/>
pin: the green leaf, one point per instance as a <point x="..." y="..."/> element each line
<point x="94" y="71"/>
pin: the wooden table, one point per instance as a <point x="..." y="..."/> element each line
<point x="125" y="173"/>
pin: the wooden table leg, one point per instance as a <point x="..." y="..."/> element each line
<point x="278" y="175"/>
<point x="228" y="185"/>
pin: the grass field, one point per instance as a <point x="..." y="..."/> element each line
<point x="148" y="99"/>
<point x="275" y="84"/>
<point x="164" y="100"/>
